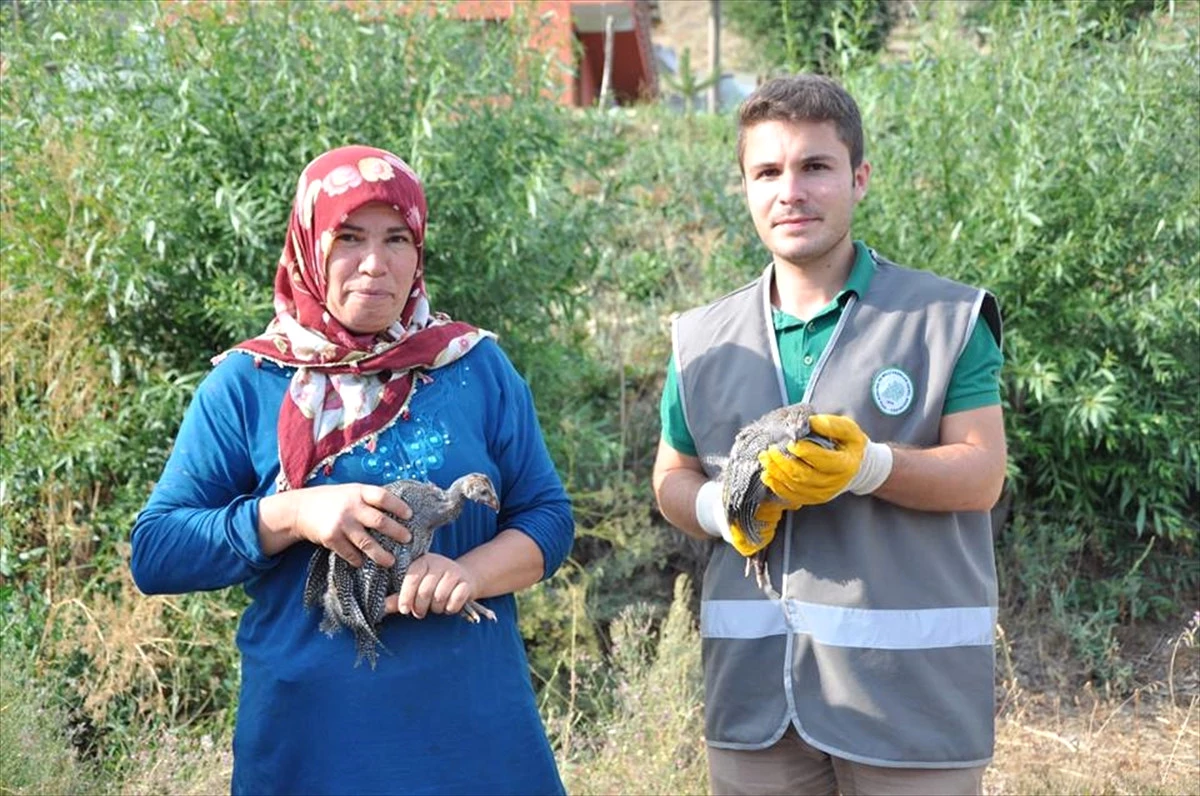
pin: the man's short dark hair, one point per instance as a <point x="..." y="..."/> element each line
<point x="803" y="98"/>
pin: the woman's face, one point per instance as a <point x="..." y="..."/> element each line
<point x="370" y="269"/>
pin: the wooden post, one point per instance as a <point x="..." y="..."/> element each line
<point x="714" y="55"/>
<point x="606" y="80"/>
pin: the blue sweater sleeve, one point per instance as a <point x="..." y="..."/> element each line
<point x="199" y="529"/>
<point x="533" y="500"/>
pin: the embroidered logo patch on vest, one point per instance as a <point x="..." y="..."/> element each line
<point x="892" y="391"/>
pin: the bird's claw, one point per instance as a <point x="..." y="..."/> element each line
<point x="473" y="612"/>
<point x="758" y="563"/>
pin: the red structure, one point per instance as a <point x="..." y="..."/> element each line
<point x="574" y="30"/>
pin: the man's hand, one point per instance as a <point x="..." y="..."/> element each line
<point x="433" y="584"/>
<point x="336" y="516"/>
<point x="808" y="474"/>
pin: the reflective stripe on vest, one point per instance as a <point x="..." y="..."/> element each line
<point x="836" y="626"/>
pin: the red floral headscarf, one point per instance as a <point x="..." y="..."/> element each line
<point x="347" y="387"/>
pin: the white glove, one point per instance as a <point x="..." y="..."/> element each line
<point x="875" y="468"/>
<point x="710" y="511"/>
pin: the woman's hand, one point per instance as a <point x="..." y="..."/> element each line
<point x="433" y="584"/>
<point x="335" y="516"/>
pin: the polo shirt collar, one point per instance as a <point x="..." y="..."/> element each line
<point x="857" y="283"/>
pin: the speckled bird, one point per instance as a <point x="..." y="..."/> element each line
<point x="353" y="597"/>
<point x="743" y="490"/>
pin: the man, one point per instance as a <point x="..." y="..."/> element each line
<point x="874" y="673"/>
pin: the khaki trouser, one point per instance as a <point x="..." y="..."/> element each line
<point x="793" y="768"/>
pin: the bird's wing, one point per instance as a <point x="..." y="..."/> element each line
<point x="343" y="580"/>
<point x="422" y="497"/>
<point x="375" y="580"/>
<point x="742" y="479"/>
<point x="744" y="489"/>
<point x="316" y="579"/>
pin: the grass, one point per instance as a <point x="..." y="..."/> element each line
<point x="36" y="755"/>
<point x="41" y="742"/>
<point x="1053" y="737"/>
<point x="651" y="740"/>
<point x="1087" y="744"/>
<point x="648" y="739"/>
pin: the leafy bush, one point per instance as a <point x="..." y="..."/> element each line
<point x="1065" y="181"/>
<point x="1102" y="19"/>
<point x="799" y="35"/>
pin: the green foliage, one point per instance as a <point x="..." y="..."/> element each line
<point x="1101" y="19"/>
<point x="688" y="83"/>
<point x="1054" y="569"/>
<point x="1065" y="181"/>
<point x="181" y="189"/>
<point x="801" y="35"/>
<point x="560" y="636"/>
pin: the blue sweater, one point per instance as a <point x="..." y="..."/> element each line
<point x="451" y="708"/>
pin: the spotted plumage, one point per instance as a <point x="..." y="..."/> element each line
<point x="743" y="490"/>
<point x="353" y="597"/>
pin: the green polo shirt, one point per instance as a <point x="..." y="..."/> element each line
<point x="975" y="382"/>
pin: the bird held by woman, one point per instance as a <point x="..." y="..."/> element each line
<point x="353" y="597"/>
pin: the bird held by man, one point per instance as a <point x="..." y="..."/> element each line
<point x="753" y="510"/>
<point x="353" y="597"/>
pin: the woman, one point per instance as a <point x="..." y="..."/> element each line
<point x="356" y="383"/>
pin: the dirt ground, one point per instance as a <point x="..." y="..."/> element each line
<point x="1058" y="733"/>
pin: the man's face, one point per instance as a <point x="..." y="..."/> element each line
<point x="801" y="189"/>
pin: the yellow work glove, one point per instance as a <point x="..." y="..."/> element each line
<point x="769" y="512"/>
<point x="808" y="474"/>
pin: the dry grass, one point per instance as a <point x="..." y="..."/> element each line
<point x="1089" y="745"/>
<point x="1069" y="741"/>
<point x="652" y="741"/>
<point x="182" y="766"/>
<point x="1073" y="741"/>
<point x="1078" y="740"/>
<point x="51" y="355"/>
<point x="37" y="755"/>
<point x="55" y="375"/>
<point x="124" y="637"/>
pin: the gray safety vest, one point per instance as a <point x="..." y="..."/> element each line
<point x="881" y="649"/>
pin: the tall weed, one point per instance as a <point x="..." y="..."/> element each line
<point x="652" y="741"/>
<point x="36" y="752"/>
